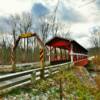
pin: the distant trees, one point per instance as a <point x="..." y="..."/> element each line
<point x="21" y="24"/>
<point x="12" y="21"/>
<point x="25" y="25"/>
<point x="95" y="38"/>
<point x="95" y="42"/>
<point x="46" y="26"/>
<point x="43" y="28"/>
<point x="64" y="30"/>
<point x="50" y="26"/>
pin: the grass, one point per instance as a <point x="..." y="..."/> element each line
<point x="72" y="84"/>
<point x="18" y="91"/>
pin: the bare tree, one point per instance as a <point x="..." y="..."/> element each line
<point x="43" y="28"/>
<point x="65" y="31"/>
<point x="95" y="41"/>
<point x="20" y="24"/>
<point x="95" y="38"/>
<point x="12" y="21"/>
<point x="25" y="25"/>
<point x="48" y="24"/>
<point x="51" y="26"/>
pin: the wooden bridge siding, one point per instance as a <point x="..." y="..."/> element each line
<point x="81" y="62"/>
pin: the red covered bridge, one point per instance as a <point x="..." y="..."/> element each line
<point x="64" y="50"/>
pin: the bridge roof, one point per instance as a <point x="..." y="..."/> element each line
<point x="77" y="45"/>
<point x="63" y="43"/>
<point x="59" y="42"/>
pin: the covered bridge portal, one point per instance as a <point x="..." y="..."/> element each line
<point x="63" y="50"/>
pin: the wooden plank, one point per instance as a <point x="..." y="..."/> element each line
<point x="11" y="81"/>
<point x="8" y="83"/>
<point x="15" y="86"/>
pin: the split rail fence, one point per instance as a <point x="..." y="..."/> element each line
<point x="14" y="80"/>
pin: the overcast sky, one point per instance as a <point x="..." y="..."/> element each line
<point x="82" y="15"/>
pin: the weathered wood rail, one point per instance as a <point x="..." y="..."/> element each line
<point x="14" y="80"/>
<point x="23" y="66"/>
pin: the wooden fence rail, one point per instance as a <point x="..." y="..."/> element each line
<point x="11" y="81"/>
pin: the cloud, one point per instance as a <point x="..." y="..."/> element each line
<point x="4" y="28"/>
<point x="98" y="3"/>
<point x="84" y="41"/>
<point x="68" y="11"/>
<point x="80" y="33"/>
<point x="39" y="9"/>
<point x="82" y="38"/>
<point x="69" y="14"/>
<point x="8" y="7"/>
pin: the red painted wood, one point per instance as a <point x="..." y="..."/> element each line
<point x="61" y="44"/>
<point x="81" y="62"/>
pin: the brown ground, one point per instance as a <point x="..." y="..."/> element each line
<point x="98" y="81"/>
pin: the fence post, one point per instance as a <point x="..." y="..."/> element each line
<point x="42" y="62"/>
<point x="13" y="59"/>
<point x="61" y="91"/>
<point x="33" y="77"/>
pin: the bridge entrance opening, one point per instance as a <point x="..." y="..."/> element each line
<point x="59" y="49"/>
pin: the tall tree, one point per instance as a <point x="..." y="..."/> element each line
<point x="12" y="21"/>
<point x="25" y="25"/>
<point x="95" y="42"/>
<point x="95" y="38"/>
